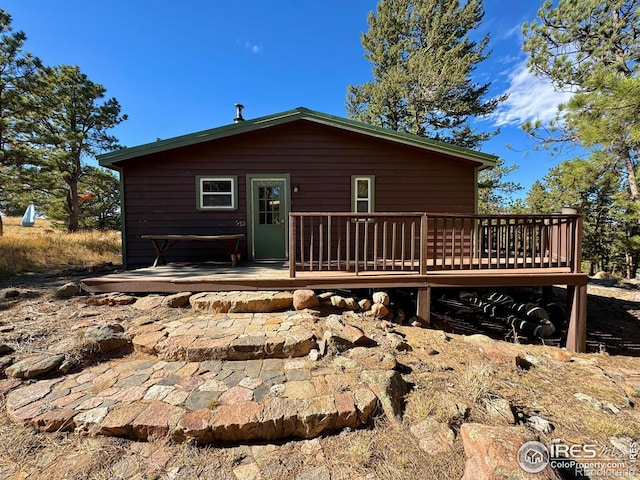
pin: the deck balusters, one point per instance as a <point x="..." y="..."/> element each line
<point x="415" y="243"/>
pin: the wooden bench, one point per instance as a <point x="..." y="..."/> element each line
<point x="163" y="243"/>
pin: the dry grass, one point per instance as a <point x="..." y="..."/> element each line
<point x="24" y="451"/>
<point x="390" y="452"/>
<point x="423" y="404"/>
<point x="360" y="452"/>
<point x="476" y="381"/>
<point x="606" y="426"/>
<point x="40" y="248"/>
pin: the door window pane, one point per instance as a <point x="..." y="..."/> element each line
<point x="268" y="205"/>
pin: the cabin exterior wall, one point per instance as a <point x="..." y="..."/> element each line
<point x="159" y="190"/>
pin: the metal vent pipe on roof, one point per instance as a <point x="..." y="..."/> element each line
<point x="239" y="117"/>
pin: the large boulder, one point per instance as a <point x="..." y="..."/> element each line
<point x="381" y="298"/>
<point x="305" y="299"/>
<point x="67" y="290"/>
<point x="492" y="453"/>
<point x="9" y="293"/>
<point x="177" y="300"/>
<point x="106" y="338"/>
<point x="390" y="388"/>
<point x="35" y="366"/>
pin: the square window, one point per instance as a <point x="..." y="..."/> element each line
<point x="216" y="193"/>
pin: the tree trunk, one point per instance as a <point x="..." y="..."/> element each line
<point x="73" y="207"/>
<point x="631" y="177"/>
<point x="0" y="225"/>
<point x="632" y="180"/>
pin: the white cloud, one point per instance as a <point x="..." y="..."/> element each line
<point x="530" y="98"/>
<point x="513" y="32"/>
<point x="253" y="48"/>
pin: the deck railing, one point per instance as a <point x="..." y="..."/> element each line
<point x="417" y="243"/>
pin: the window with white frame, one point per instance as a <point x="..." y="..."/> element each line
<point x="362" y="188"/>
<point x="217" y="193"/>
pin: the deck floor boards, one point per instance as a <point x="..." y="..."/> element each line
<point x="177" y="277"/>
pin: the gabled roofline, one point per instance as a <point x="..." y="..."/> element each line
<point x="109" y="159"/>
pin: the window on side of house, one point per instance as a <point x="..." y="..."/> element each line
<point x="217" y="193"/>
<point x="362" y="193"/>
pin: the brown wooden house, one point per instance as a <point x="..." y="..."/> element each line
<point x="217" y="181"/>
<point x="343" y="203"/>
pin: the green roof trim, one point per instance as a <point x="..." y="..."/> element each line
<point x="301" y="113"/>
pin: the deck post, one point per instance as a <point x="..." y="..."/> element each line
<point x="423" y="305"/>
<point x="577" y="328"/>
<point x="424" y="232"/>
<point x="547" y="294"/>
<point x="577" y="245"/>
<point x="292" y="246"/>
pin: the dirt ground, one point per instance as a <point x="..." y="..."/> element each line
<point x="446" y="372"/>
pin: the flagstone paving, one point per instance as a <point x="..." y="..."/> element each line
<point x="227" y="337"/>
<point x="207" y="378"/>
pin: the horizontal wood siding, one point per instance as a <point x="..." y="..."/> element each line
<point x="160" y="193"/>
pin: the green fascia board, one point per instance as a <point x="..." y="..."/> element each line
<point x="301" y="113"/>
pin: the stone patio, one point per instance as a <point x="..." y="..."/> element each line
<point x="221" y="378"/>
<point x="226" y="337"/>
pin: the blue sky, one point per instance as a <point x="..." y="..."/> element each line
<point x="178" y="67"/>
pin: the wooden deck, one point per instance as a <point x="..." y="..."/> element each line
<point x="205" y="277"/>
<point x="397" y="250"/>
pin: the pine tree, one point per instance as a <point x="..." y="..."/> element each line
<point x="101" y="208"/>
<point x="494" y="192"/>
<point x="591" y="48"/>
<point x="17" y="71"/>
<point x="69" y="122"/>
<point x="423" y="59"/>
<point x="610" y="236"/>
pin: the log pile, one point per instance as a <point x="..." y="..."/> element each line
<point x="530" y="319"/>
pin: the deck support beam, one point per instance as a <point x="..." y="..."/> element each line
<point x="423" y="305"/>
<point x="577" y="308"/>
